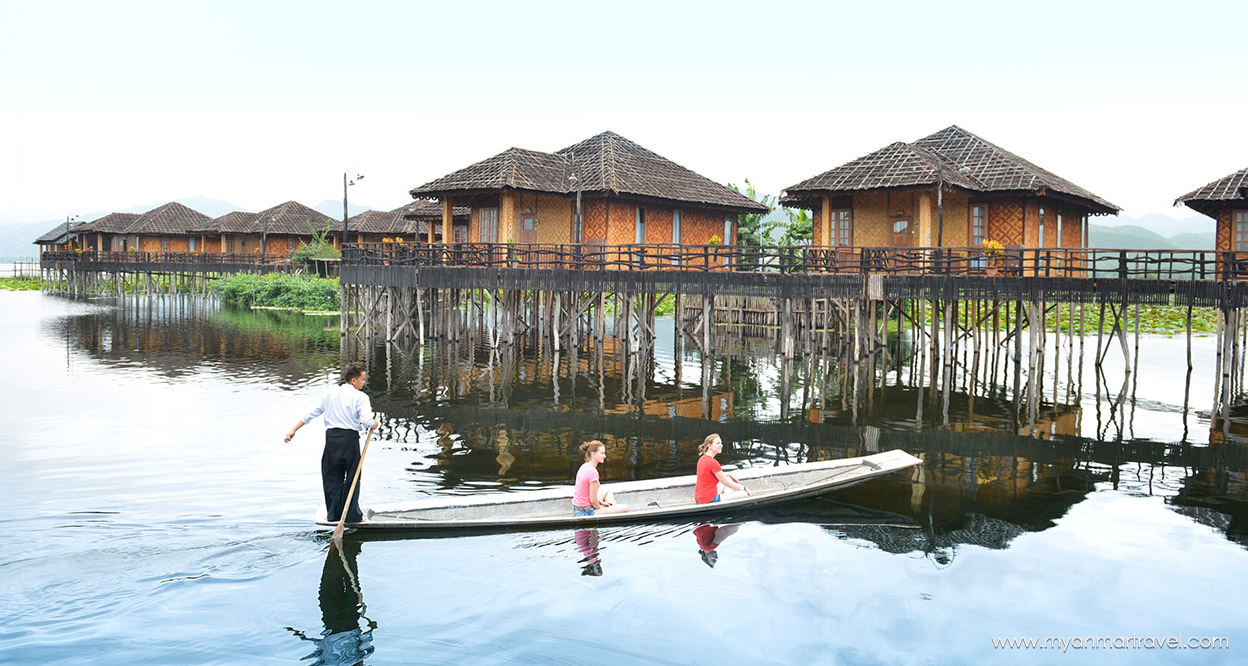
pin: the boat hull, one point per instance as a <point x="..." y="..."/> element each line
<point x="648" y="500"/>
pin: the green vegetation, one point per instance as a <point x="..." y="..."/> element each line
<point x="1154" y="319"/>
<point x="319" y="248"/>
<point x="299" y="292"/>
<point x="20" y="284"/>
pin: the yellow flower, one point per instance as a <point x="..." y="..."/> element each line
<point x="992" y="247"/>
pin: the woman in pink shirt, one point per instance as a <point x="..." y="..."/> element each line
<point x="588" y="497"/>
<point x="710" y="475"/>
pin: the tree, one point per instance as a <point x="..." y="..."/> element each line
<point x="800" y="229"/>
<point x="750" y="228"/>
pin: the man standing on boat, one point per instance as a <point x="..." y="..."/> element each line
<point x="347" y="411"/>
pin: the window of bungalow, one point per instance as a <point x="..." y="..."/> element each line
<point x="1241" y="230"/>
<point x="727" y="230"/>
<point x="461" y="234"/>
<point x="1040" y="242"/>
<point x="489" y="225"/>
<point x="641" y="225"/>
<point x="676" y="227"/>
<point x="1059" y="229"/>
<point x="842" y="228"/>
<point x="191" y="244"/>
<point x="164" y="244"/>
<point x="979" y="224"/>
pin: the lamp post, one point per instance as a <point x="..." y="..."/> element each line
<point x="348" y="178"/>
<point x="68" y="218"/>
<point x="579" y="223"/>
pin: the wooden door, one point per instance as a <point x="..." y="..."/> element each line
<point x="902" y="233"/>
<point x="528" y="230"/>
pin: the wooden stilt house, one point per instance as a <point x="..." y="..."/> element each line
<point x="1225" y="200"/>
<point x="950" y="189"/>
<point x="165" y="229"/>
<point x="280" y="229"/>
<point x="107" y="233"/>
<point x="63" y="237"/>
<point x="627" y="194"/>
<point x="408" y="223"/>
<point x="228" y="233"/>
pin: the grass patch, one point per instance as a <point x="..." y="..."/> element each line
<point x="279" y="290"/>
<point x="20" y="284"/>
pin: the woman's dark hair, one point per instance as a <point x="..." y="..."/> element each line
<point x="354" y="369"/>
<point x="588" y="448"/>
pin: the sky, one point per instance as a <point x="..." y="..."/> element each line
<point x="110" y="105"/>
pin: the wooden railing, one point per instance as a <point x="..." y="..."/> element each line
<point x="166" y="257"/>
<point x="1032" y="262"/>
<point x="798" y="259"/>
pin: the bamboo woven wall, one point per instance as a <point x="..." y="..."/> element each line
<point x="554" y="218"/>
<point x="1224" y="231"/>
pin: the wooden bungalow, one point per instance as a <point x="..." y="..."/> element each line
<point x="950" y="189"/>
<point x="164" y="229"/>
<point x="62" y="237"/>
<point x="627" y="195"/>
<point x="421" y="217"/>
<point x="1225" y="200"/>
<point x="280" y="229"/>
<point x="228" y="233"/>
<point x="108" y="233"/>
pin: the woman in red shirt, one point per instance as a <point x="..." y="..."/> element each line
<point x="711" y="475"/>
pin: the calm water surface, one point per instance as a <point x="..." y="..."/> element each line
<point x="154" y="515"/>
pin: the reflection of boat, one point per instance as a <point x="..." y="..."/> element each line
<point x="650" y="499"/>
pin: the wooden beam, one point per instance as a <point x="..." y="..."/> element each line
<point x="447" y="219"/>
<point x="826" y="222"/>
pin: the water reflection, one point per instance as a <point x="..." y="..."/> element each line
<point x="709" y="537"/>
<point x="342" y="641"/>
<point x="1001" y="441"/>
<point x="587" y="544"/>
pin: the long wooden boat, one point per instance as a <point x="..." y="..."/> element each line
<point x="650" y="499"/>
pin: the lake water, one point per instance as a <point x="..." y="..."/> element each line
<point x="155" y="516"/>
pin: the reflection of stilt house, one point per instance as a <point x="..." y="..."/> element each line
<point x="627" y="194"/>
<point x="898" y="195"/>
<point x="1225" y="200"/>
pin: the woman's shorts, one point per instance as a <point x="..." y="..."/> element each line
<point x="585" y="510"/>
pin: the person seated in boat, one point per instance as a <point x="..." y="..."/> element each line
<point x="588" y="496"/>
<point x="714" y="484"/>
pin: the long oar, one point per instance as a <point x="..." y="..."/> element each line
<point x="346" y="506"/>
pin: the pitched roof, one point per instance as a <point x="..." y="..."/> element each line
<point x="57" y="235"/>
<point x="294" y="219"/>
<point x="607" y="163"/>
<point x="961" y="158"/>
<point x="171" y="218"/>
<point x="1207" y="199"/>
<point x="113" y="223"/>
<point x="234" y="222"/>
<point x="430" y="209"/>
<point x="375" y="222"/>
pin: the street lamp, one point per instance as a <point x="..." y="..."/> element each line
<point x="579" y="225"/>
<point x="348" y="178"/>
<point x="71" y="216"/>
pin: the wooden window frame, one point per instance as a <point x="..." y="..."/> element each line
<point x="1239" y="217"/>
<point x="970" y="231"/>
<point x="482" y="236"/>
<point x="839" y="232"/>
<point x="639" y="226"/>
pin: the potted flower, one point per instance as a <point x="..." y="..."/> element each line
<point x="993" y="250"/>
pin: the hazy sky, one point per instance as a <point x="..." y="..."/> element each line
<point x="109" y="105"/>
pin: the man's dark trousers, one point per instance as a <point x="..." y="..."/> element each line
<point x="338" y="463"/>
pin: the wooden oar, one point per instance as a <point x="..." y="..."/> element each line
<point x="346" y="506"/>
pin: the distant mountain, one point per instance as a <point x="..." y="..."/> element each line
<point x="334" y="208"/>
<point x="1130" y="237"/>
<point x="1161" y="224"/>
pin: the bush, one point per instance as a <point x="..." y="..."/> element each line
<point x="301" y="292"/>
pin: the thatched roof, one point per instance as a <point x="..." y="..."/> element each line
<point x="375" y="222"/>
<point x="606" y="164"/>
<point x="57" y="235"/>
<point x="426" y="209"/>
<point x="293" y="219"/>
<point x="235" y="222"/>
<point x="1232" y="189"/>
<point x="113" y="223"/>
<point x="170" y="219"/>
<point x="962" y="159"/>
